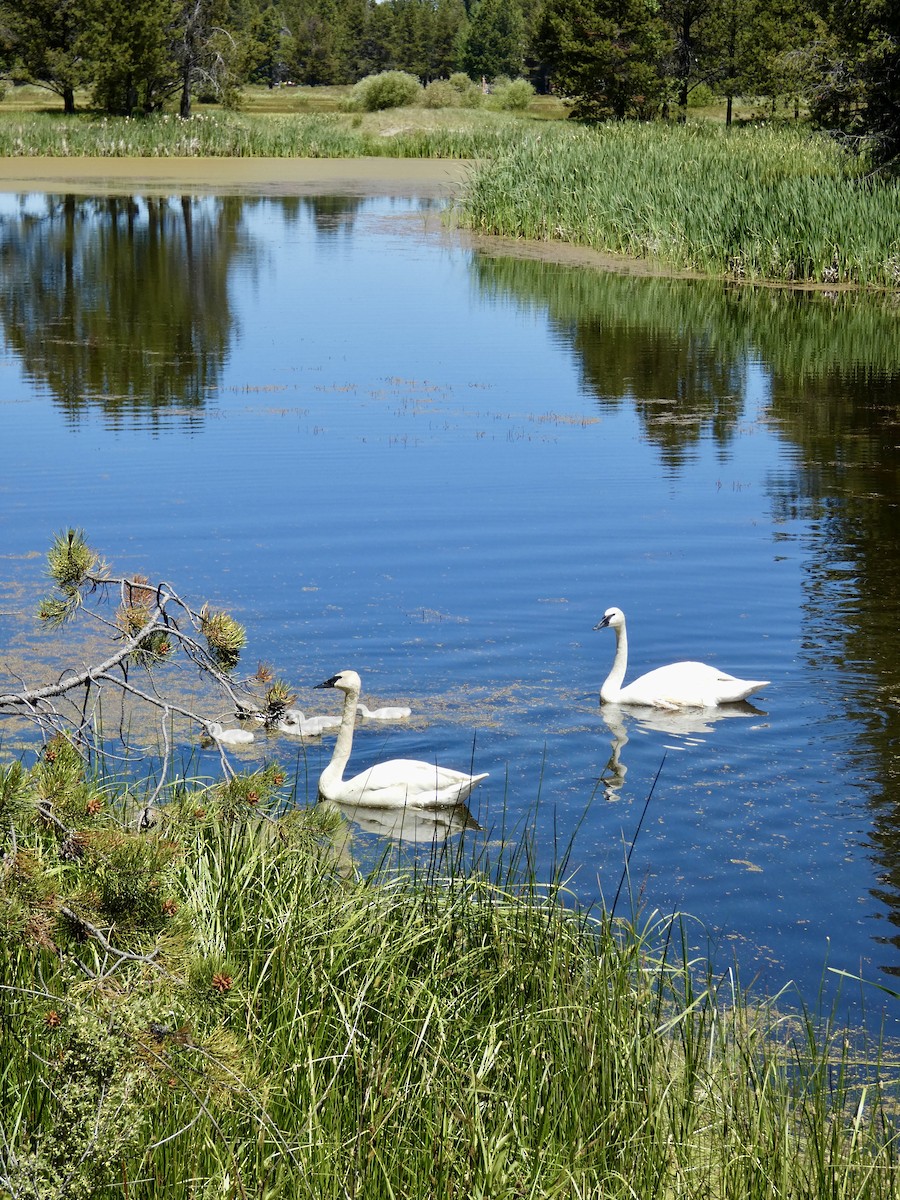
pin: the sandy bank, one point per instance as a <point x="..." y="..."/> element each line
<point x="235" y="176"/>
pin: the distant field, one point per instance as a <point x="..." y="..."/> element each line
<point x="288" y="99"/>
<point x="285" y="100"/>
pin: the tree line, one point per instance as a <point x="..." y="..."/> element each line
<point x="837" y="59"/>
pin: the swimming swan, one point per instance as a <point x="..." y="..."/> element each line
<point x="229" y="737"/>
<point x="383" y="714"/>
<point x="679" y="685"/>
<point x="392" y="784"/>
<point x="296" y="724"/>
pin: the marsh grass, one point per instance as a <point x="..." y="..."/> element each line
<point x="412" y="133"/>
<point x="761" y="202"/>
<point x="293" y="1030"/>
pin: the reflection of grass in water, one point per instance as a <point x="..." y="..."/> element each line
<point x="800" y="335"/>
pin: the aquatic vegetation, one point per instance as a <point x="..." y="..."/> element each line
<point x="748" y="203"/>
<point x="752" y="203"/>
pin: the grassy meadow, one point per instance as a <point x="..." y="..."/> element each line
<point x="221" y="1006"/>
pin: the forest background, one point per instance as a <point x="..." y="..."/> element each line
<point x="836" y="61"/>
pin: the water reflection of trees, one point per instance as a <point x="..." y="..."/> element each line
<point x="847" y="485"/>
<point x="119" y="302"/>
<point x="678" y="350"/>
<point x="653" y="342"/>
<point x="333" y="214"/>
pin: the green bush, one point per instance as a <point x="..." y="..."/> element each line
<point x="701" y="96"/>
<point x="511" y="95"/>
<point x="470" y="94"/>
<point x="389" y="89"/>
<point x="440" y="93"/>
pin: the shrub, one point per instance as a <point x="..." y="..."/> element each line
<point x="389" y="89"/>
<point x="511" y="95"/>
<point x="701" y="96"/>
<point x="470" y="94"/>
<point x="440" y="93"/>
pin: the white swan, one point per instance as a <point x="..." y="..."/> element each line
<point x="389" y="713"/>
<point x="678" y="685"/>
<point x="392" y="784"/>
<point x="296" y="724"/>
<point x="229" y="737"/>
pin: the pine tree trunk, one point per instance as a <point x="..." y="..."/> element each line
<point x="184" y="109"/>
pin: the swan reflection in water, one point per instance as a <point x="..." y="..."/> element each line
<point x="409" y="823"/>
<point x="686" y="726"/>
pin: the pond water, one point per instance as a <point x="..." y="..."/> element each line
<point x="382" y="448"/>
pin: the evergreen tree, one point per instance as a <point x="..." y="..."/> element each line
<point x="495" y="40"/>
<point x="128" y="47"/>
<point x="413" y="28"/>
<point x="317" y="50"/>
<point x="688" y="22"/>
<point x="859" y="90"/>
<point x="263" y="51"/>
<point x="355" y="20"/>
<point x="608" y="56"/>
<point x="139" y="53"/>
<point x="752" y="46"/>
<point x="376" y="49"/>
<point x="448" y="38"/>
<point x="43" y="38"/>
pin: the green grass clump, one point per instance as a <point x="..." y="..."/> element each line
<point x="221" y="1006"/>
<point x="751" y="203"/>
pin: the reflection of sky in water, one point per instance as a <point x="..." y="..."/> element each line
<point x="400" y="473"/>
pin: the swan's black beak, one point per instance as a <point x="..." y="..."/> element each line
<point x="328" y="682"/>
<point x="602" y="624"/>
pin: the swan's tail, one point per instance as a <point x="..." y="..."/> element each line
<point x="741" y="690"/>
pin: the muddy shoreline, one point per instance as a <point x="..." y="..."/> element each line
<point x="235" y="176"/>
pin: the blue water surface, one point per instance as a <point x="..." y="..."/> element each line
<point x="402" y="456"/>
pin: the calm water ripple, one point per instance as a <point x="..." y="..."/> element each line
<point x="382" y="450"/>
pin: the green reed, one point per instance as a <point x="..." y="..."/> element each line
<point x="749" y="203"/>
<point x="245" y="135"/>
<point x="302" y="1032"/>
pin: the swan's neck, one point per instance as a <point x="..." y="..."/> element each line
<point x="334" y="772"/>
<point x="609" y="693"/>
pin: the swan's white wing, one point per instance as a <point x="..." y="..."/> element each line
<point x="390" y="713"/>
<point x="688" y="685"/>
<point x="406" y="781"/>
